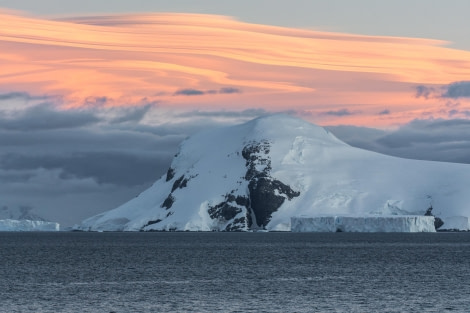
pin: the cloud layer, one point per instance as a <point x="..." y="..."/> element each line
<point x="215" y="61"/>
<point x="430" y="139"/>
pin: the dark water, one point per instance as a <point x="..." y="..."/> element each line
<point x="234" y="272"/>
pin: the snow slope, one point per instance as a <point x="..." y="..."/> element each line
<point x="27" y="225"/>
<point x="261" y="173"/>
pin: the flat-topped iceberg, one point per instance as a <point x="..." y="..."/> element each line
<point x="364" y="223"/>
<point x="456" y="223"/>
<point x="27" y="225"/>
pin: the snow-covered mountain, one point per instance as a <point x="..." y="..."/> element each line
<point x="259" y="174"/>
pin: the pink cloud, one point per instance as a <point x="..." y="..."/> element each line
<point x="129" y="57"/>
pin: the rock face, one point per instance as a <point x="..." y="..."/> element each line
<point x="438" y="222"/>
<point x="257" y="175"/>
<point x="266" y="194"/>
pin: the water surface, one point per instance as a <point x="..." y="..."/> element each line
<point x="234" y="272"/>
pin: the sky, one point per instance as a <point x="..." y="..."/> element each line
<point x="95" y="96"/>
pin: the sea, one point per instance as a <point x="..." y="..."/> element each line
<point x="234" y="272"/>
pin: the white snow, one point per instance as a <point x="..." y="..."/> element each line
<point x="331" y="176"/>
<point x="460" y="223"/>
<point x="365" y="223"/>
<point x="27" y="225"/>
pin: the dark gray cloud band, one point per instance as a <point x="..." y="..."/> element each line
<point x="21" y="96"/>
<point x="455" y="90"/>
<point x="434" y="139"/>
<point x="197" y="92"/>
<point x="44" y="117"/>
<point x="339" y="113"/>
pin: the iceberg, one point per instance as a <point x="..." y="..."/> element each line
<point x="456" y="223"/>
<point x="27" y="225"/>
<point x="365" y="223"/>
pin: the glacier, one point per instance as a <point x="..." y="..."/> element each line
<point x="365" y="223"/>
<point x="257" y="175"/>
<point x="28" y="225"/>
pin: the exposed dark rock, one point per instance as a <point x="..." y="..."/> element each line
<point x="168" y="202"/>
<point x="238" y="224"/>
<point x="170" y="174"/>
<point x="249" y="219"/>
<point x="177" y="183"/>
<point x="152" y="222"/>
<point x="184" y="183"/>
<point x="223" y="211"/>
<point x="240" y="200"/>
<point x="438" y="222"/>
<point x="181" y="182"/>
<point x="228" y="209"/>
<point x="266" y="194"/>
<point x="429" y="211"/>
<point x="284" y="189"/>
<point x="265" y="200"/>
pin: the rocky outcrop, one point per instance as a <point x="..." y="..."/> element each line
<point x="242" y="210"/>
<point x="266" y="194"/>
<point x="438" y="222"/>
<point x="180" y="183"/>
<point x="228" y="212"/>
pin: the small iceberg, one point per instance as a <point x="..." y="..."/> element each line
<point x="27" y="225"/>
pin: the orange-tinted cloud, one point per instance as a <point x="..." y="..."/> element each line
<point x="130" y="57"/>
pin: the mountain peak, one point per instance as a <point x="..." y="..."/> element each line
<point x="258" y="174"/>
<point x="281" y="125"/>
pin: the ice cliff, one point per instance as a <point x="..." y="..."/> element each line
<point x="259" y="174"/>
<point x="456" y="223"/>
<point x="27" y="225"/>
<point x="365" y="223"/>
